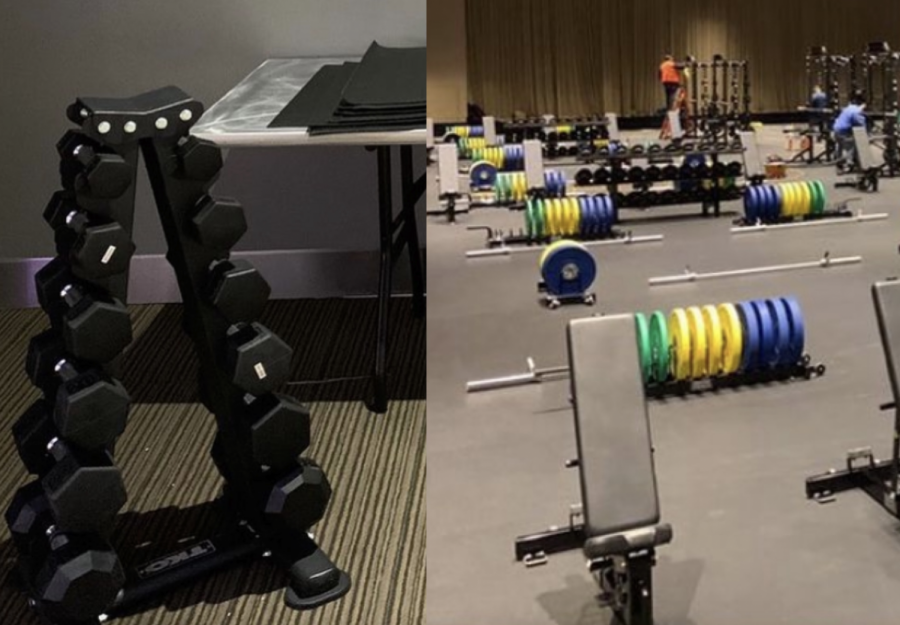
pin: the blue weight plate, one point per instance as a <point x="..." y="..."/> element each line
<point x="614" y="211"/>
<point x="520" y="157"/>
<point x="556" y="264"/>
<point x="594" y="209"/>
<point x="548" y="182"/>
<point x="554" y="176"/>
<point x="779" y="313"/>
<point x="768" y="357"/>
<point x="605" y="214"/>
<point x="779" y="200"/>
<point x="750" y="326"/>
<point x="483" y="175"/>
<point x="751" y="212"/>
<point x="774" y="203"/>
<point x="764" y="205"/>
<point x="798" y="330"/>
<point x="585" y="217"/>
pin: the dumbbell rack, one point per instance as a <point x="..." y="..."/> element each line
<point x="619" y="175"/>
<point x="200" y="232"/>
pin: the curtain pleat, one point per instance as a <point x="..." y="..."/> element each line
<point x="580" y="57"/>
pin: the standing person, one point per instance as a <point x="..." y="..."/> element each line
<point x="853" y="115"/>
<point x="670" y="79"/>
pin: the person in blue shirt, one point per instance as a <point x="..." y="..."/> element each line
<point x="852" y="116"/>
<point x="818" y="99"/>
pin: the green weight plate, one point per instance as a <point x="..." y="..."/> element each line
<point x="820" y="208"/>
<point x="529" y="218"/>
<point x="643" y="345"/>
<point x="539" y="218"/>
<point x="505" y="189"/>
<point x="659" y="346"/>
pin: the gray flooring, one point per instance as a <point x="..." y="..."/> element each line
<point x="749" y="549"/>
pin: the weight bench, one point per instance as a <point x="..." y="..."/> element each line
<point x="877" y="478"/>
<point x="620" y="510"/>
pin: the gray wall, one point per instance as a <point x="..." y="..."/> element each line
<point x="54" y="50"/>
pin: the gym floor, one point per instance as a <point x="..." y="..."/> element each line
<point x="374" y="527"/>
<point x="748" y="547"/>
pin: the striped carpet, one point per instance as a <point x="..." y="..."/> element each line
<point x="375" y="525"/>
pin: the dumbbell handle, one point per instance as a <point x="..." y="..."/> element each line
<point x="65" y="370"/>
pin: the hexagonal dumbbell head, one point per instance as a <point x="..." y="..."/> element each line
<point x="48" y="285"/>
<point x="79" y="581"/>
<point x="219" y="223"/>
<point x="298" y="501"/>
<point x="279" y="431"/>
<point x="105" y="176"/>
<point x="91" y="409"/>
<point x="45" y="350"/>
<point x="95" y="329"/>
<point x="238" y="290"/>
<point x="28" y="516"/>
<point x="198" y="159"/>
<point x="258" y="360"/>
<point x="102" y="250"/>
<point x="84" y="489"/>
<point x="32" y="433"/>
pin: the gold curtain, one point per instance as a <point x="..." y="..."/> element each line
<point x="579" y="57"/>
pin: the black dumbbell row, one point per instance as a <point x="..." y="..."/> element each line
<point x="61" y="522"/>
<point x="638" y="174"/>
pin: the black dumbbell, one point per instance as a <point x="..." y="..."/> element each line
<point x="238" y="290"/>
<point x="636" y="174"/>
<point x="94" y="326"/>
<point x="654" y="148"/>
<point x="618" y="174"/>
<point x="735" y="168"/>
<point x="637" y="150"/>
<point x="88" y="170"/>
<point x="653" y="173"/>
<point x="219" y="223"/>
<point x="279" y="432"/>
<point x="671" y="172"/>
<point x="601" y="175"/>
<point x="198" y="159"/>
<point x="583" y="177"/>
<point x="97" y="248"/>
<point x="298" y="500"/>
<point x="84" y="489"/>
<point x="73" y="578"/>
<point x="257" y="359"/>
<point x="91" y="408"/>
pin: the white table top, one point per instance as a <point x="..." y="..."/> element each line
<point x="242" y="116"/>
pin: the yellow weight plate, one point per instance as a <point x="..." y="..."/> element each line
<point x="501" y="156"/>
<point x="679" y="344"/>
<point x="550" y="248"/>
<point x="806" y="201"/>
<point x="787" y="198"/>
<point x="733" y="338"/>
<point x="555" y="214"/>
<point x="714" y="340"/>
<point x="569" y="216"/>
<point x="576" y="216"/>
<point x="523" y="187"/>
<point x="699" y="344"/>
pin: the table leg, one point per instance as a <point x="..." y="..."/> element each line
<point x="411" y="231"/>
<point x="378" y="402"/>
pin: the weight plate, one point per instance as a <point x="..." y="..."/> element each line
<point x="598" y="215"/>
<point x="798" y="331"/>
<point x="805" y="202"/>
<point x="750" y="337"/>
<point x="482" y="175"/>
<point x="751" y="202"/>
<point x="782" y="322"/>
<point x="540" y="218"/>
<point x="732" y="338"/>
<point x="645" y="353"/>
<point x="659" y="344"/>
<point x="767" y="337"/>
<point x="568" y="268"/>
<point x="714" y="340"/>
<point x="585" y="217"/>
<point x="569" y="217"/>
<point x="778" y="202"/>
<point x="823" y="197"/>
<point x="606" y="204"/>
<point x="550" y="214"/>
<point x="529" y="218"/>
<point x="699" y="344"/>
<point x="574" y="216"/>
<point x="773" y="205"/>
<point x="680" y="342"/>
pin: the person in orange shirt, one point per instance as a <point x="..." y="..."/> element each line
<point x="670" y="78"/>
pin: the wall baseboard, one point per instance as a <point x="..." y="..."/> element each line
<point x="293" y="274"/>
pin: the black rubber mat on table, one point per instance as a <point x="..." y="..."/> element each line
<point x="383" y="92"/>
